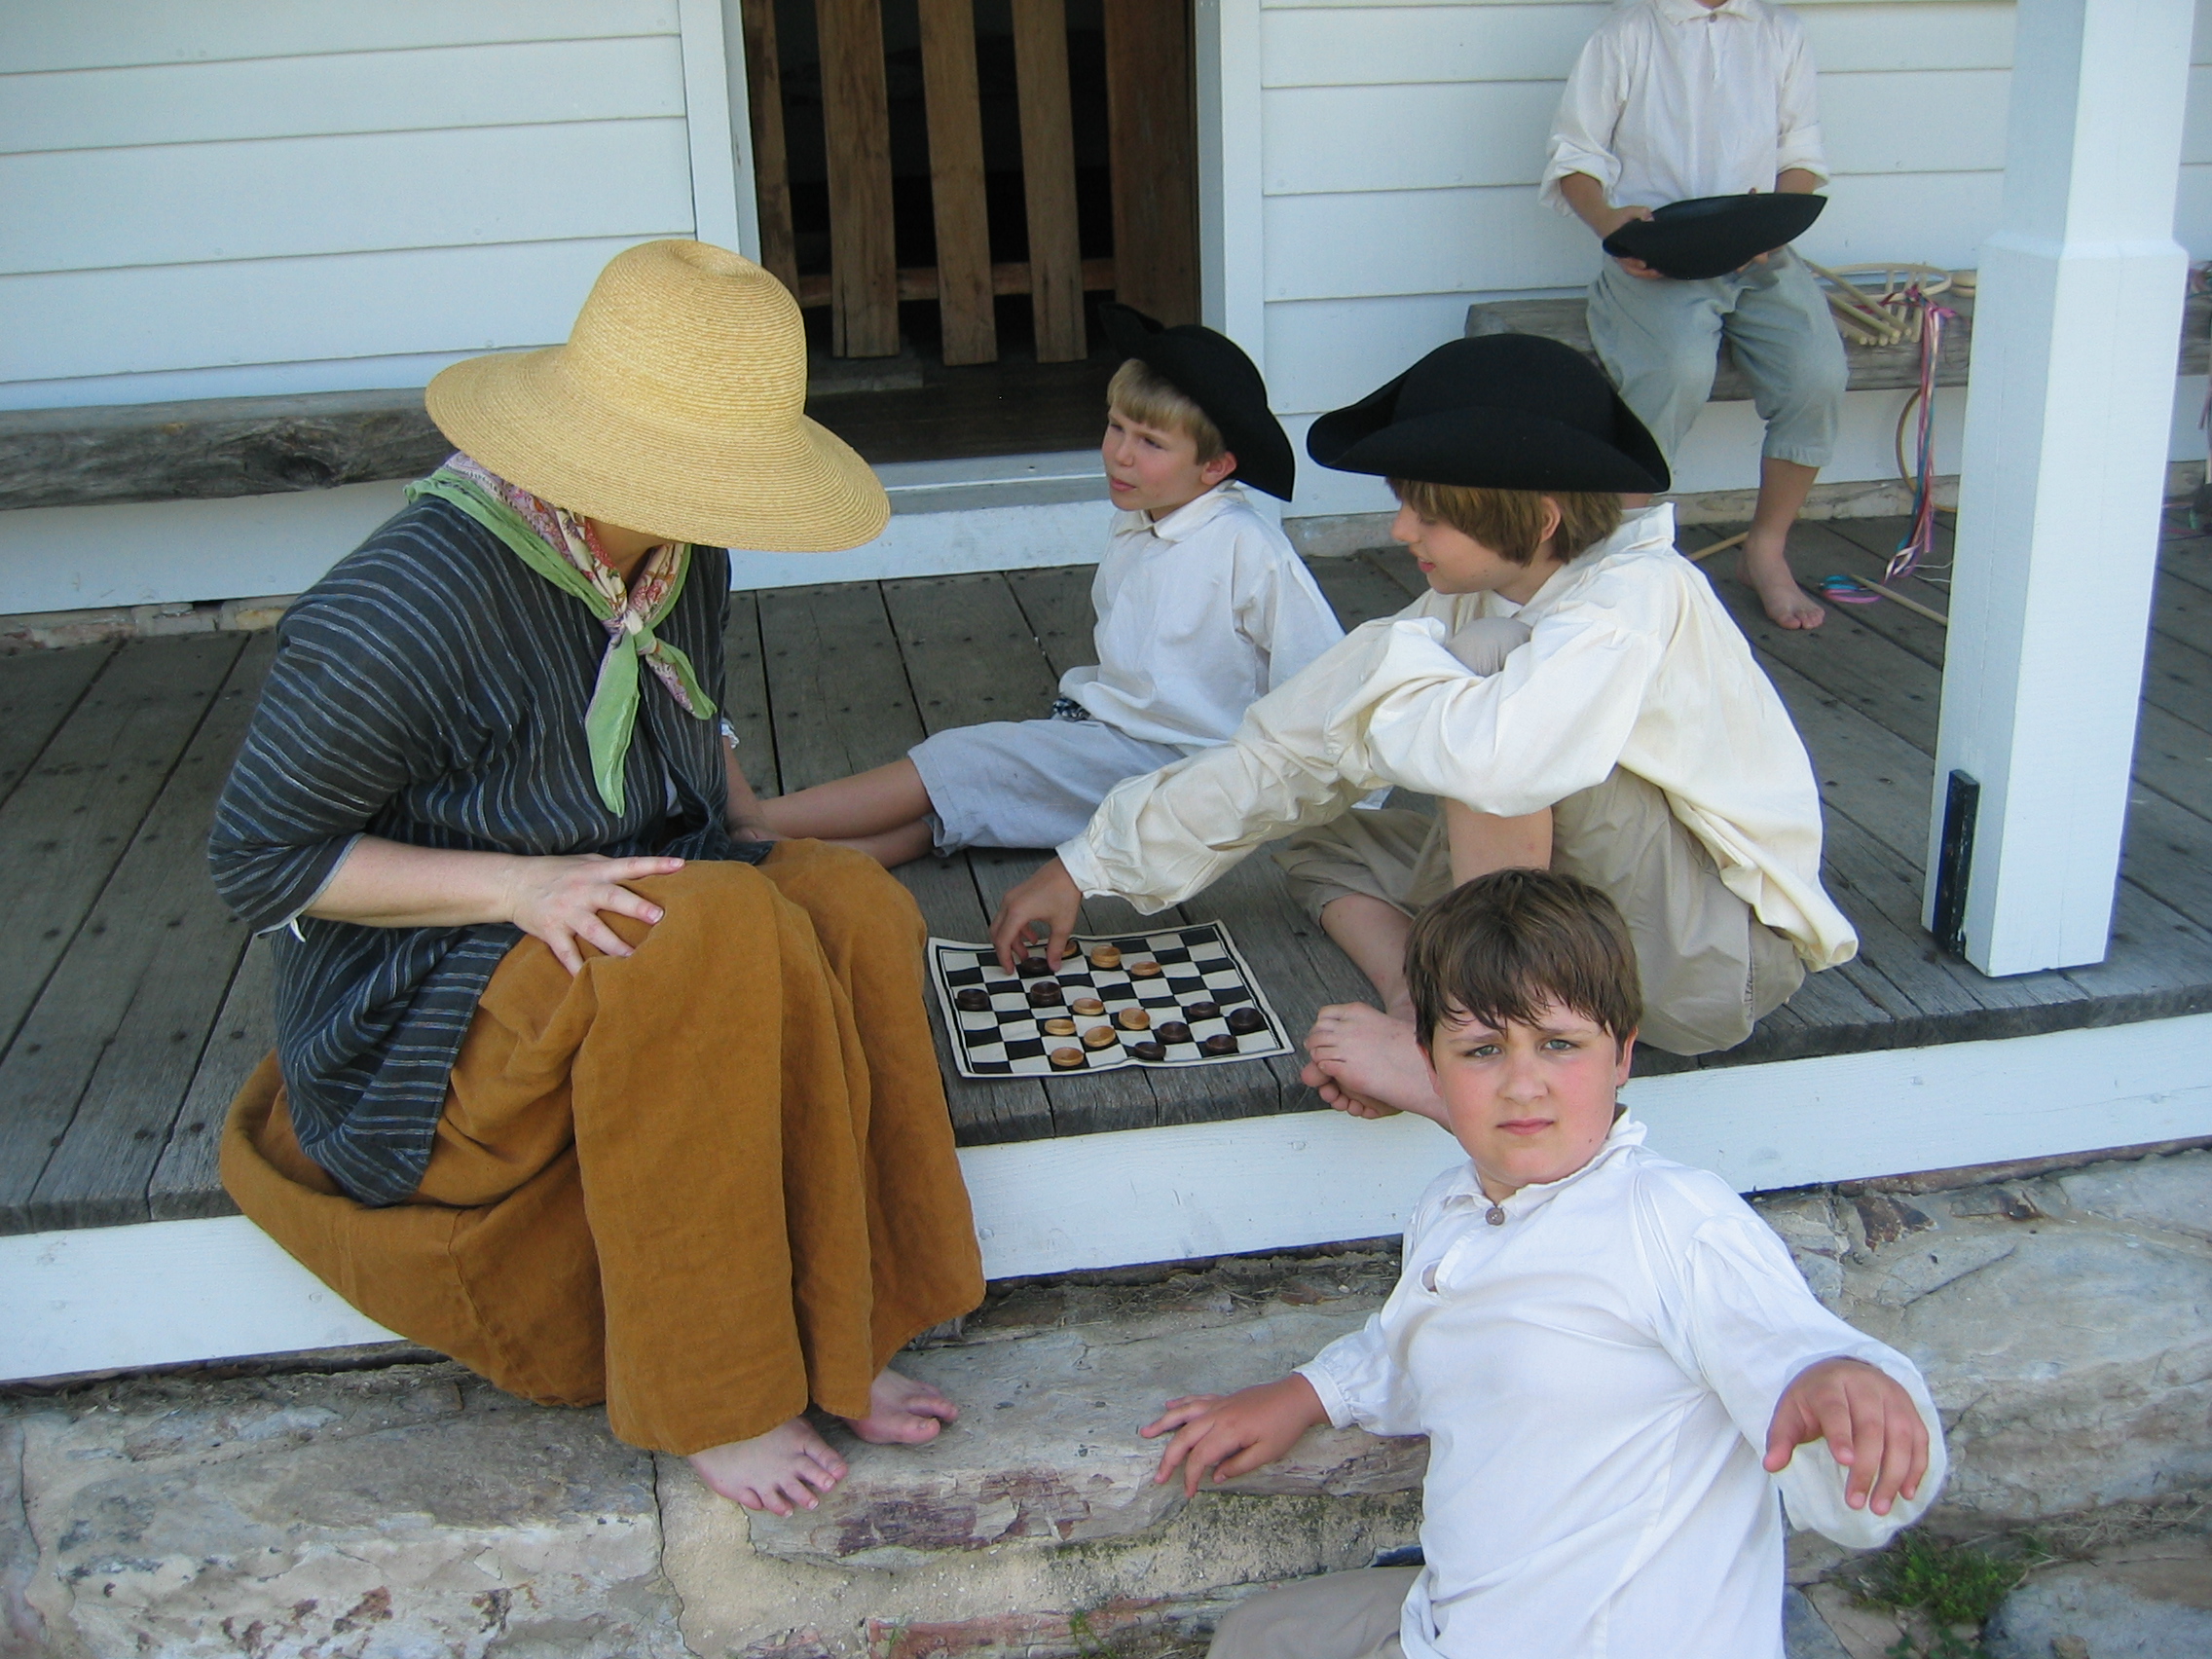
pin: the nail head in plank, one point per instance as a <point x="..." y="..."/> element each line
<point x="954" y="111"/>
<point x="1047" y="178"/>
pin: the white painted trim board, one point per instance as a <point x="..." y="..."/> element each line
<point x="168" y="1292"/>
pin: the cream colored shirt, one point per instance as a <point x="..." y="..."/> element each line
<point x="1632" y="662"/>
<point x="1669" y="101"/>
<point x="1200" y="613"/>
<point x="1596" y="1376"/>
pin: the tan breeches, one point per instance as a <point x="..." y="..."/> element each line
<point x="709" y="1183"/>
<point x="1711" y="970"/>
<point x="1338" y="1616"/>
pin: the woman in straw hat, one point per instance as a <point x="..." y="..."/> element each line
<point x="578" y="1078"/>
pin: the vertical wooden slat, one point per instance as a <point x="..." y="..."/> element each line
<point x="864" y="274"/>
<point x="956" y="181"/>
<point x="1048" y="177"/>
<point x="1152" y="138"/>
<point x="771" y="171"/>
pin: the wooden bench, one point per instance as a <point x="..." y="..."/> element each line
<point x="131" y="1006"/>
<point x="1873" y="368"/>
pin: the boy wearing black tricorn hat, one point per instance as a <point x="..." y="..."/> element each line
<point x="1202" y="605"/>
<point x="1674" y="114"/>
<point x="1570" y="689"/>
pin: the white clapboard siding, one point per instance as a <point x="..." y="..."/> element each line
<point x="99" y="34"/>
<point x="530" y="83"/>
<point x="284" y="311"/>
<point x="270" y="198"/>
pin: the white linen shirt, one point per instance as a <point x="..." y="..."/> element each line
<point x="1595" y="1376"/>
<point x="1669" y="101"/>
<point x="1199" y="615"/>
<point x="1632" y="662"/>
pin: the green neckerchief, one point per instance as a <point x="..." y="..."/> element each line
<point x="612" y="715"/>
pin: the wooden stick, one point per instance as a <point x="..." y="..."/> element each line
<point x="956" y="181"/>
<point x="856" y="115"/>
<point x="1047" y="178"/>
<point x="1719" y="546"/>
<point x="1912" y="605"/>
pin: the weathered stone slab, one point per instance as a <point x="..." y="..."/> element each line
<point x="2150" y="1601"/>
<point x="1048" y="1452"/>
<point x="403" y="1512"/>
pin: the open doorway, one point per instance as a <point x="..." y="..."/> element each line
<point x="951" y="186"/>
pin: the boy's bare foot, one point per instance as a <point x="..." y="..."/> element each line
<point x="1765" y="570"/>
<point x="779" y="1471"/>
<point x="1369" y="1064"/>
<point x="902" y="1412"/>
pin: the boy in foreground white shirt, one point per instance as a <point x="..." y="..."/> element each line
<point x="1572" y="691"/>
<point x="1613" y="1357"/>
<point x="1202" y="606"/>
<point x="1675" y="101"/>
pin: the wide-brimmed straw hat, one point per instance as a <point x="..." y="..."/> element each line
<point x="1213" y="372"/>
<point x="675" y="408"/>
<point x="1498" y="412"/>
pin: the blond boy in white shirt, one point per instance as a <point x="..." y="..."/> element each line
<point x="1675" y="101"/>
<point x="1202" y="606"/>
<point x="1614" y="1359"/>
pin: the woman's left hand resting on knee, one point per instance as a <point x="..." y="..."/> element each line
<point x="1870" y="1421"/>
<point x="562" y="901"/>
<point x="1239" y="1432"/>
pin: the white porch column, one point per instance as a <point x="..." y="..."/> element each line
<point x="2061" y="476"/>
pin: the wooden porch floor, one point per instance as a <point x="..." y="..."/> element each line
<point x="130" y="1007"/>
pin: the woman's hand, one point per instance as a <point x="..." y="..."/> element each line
<point x="561" y="901"/>
<point x="1045" y="907"/>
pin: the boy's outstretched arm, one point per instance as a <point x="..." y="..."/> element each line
<point x="1240" y="1432"/>
<point x="1870" y="1421"/>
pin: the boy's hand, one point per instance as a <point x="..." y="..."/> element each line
<point x="1240" y="1432"/>
<point x="1045" y="907"/>
<point x="1870" y="1421"/>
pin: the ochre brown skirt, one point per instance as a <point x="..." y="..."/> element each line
<point x="709" y="1183"/>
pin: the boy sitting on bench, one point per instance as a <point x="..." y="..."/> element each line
<point x="1571" y="690"/>
<point x="1613" y="1357"/>
<point x="1672" y="100"/>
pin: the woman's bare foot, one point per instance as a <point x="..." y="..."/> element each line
<point x="902" y="1412"/>
<point x="779" y="1471"/>
<point x="1369" y="1064"/>
<point x="1765" y="570"/>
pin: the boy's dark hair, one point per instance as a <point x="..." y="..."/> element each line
<point x="1510" y="523"/>
<point x="1506" y="943"/>
<point x="1149" y="397"/>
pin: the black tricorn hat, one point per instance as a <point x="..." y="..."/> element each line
<point x="1711" y="235"/>
<point x="1497" y="411"/>
<point x="1213" y="371"/>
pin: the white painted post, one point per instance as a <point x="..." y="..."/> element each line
<point x="2076" y="325"/>
<point x="1231" y="192"/>
<point x="722" y="170"/>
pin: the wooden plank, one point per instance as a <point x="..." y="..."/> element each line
<point x="2159" y="965"/>
<point x="1152" y="138"/>
<point x="1397" y="561"/>
<point x="2178" y="679"/>
<point x="954" y="108"/>
<point x="771" y="162"/>
<point x="1864" y="770"/>
<point x="2175" y="758"/>
<point x="277" y="99"/>
<point x="745" y="694"/>
<point x="856" y="116"/>
<point x="37" y="691"/>
<point x="1356" y="590"/>
<point x="1055" y="602"/>
<point x="2183" y="610"/>
<point x="1008" y="277"/>
<point x="969" y="650"/>
<point x="2168" y="854"/>
<point x="191" y="203"/>
<point x="105" y="1060"/>
<point x="70" y="821"/>
<point x="836" y="684"/>
<point x="1047" y="178"/>
<point x="186" y="1183"/>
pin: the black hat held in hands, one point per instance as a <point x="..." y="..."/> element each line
<point x="1711" y="235"/>
<point x="1212" y="372"/>
<point x="1498" y="412"/>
